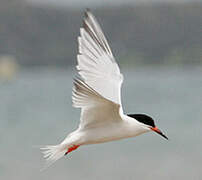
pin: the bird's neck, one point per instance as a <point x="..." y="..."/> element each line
<point x="133" y="127"/>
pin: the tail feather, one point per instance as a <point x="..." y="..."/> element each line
<point x="52" y="154"/>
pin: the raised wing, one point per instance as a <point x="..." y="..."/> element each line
<point x="95" y="109"/>
<point x="96" y="64"/>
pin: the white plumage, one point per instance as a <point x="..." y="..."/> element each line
<point x="96" y="64"/>
<point x="95" y="109"/>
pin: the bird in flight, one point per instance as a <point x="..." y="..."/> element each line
<point x="97" y="92"/>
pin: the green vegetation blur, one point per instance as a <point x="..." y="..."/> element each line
<point x="156" y="33"/>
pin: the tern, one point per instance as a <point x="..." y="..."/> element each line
<point x="97" y="91"/>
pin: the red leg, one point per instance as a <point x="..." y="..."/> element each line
<point x="72" y="148"/>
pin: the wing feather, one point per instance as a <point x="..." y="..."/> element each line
<point x="96" y="64"/>
<point x="98" y="92"/>
<point x="95" y="109"/>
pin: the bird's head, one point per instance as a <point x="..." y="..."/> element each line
<point x="147" y="122"/>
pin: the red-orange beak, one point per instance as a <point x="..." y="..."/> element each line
<point x="155" y="129"/>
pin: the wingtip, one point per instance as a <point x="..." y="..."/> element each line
<point x="86" y="12"/>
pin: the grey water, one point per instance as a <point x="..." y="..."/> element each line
<point x="35" y="110"/>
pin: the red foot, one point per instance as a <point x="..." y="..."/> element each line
<point x="72" y="148"/>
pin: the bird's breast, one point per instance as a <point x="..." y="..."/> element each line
<point x="111" y="132"/>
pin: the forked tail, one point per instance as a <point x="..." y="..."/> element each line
<point x="53" y="153"/>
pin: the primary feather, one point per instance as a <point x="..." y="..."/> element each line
<point x="96" y="64"/>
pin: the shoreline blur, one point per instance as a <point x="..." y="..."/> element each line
<point x="153" y="33"/>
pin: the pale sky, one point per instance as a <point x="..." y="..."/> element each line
<point x="89" y="3"/>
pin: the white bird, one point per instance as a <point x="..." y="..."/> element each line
<point x="98" y="93"/>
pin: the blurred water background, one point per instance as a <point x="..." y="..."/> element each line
<point x="159" y="48"/>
